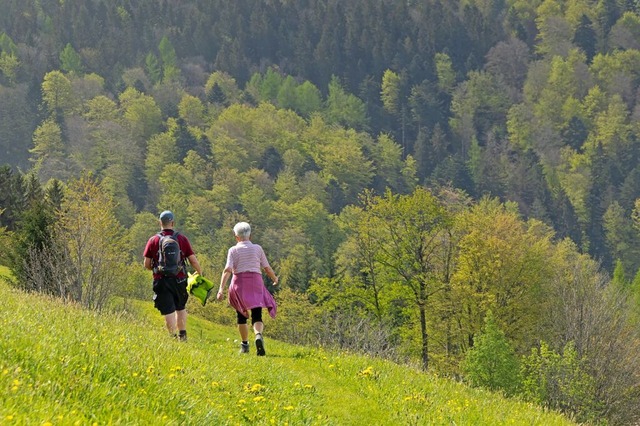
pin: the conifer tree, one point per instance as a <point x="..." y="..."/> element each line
<point x="70" y="60"/>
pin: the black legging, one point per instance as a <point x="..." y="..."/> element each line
<point x="256" y="316"/>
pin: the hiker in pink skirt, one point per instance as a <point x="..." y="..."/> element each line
<point x="247" y="292"/>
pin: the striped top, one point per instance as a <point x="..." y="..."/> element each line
<point x="246" y="257"/>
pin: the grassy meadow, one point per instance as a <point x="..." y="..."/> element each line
<point x="62" y="365"/>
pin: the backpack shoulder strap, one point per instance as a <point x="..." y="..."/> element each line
<point x="182" y="256"/>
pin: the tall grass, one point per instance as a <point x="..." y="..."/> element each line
<point x="62" y="365"/>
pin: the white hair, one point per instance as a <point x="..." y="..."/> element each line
<point x="242" y="230"/>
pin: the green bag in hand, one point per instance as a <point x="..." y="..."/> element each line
<point x="199" y="287"/>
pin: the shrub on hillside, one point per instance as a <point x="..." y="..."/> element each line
<point x="491" y="362"/>
<point x="560" y="381"/>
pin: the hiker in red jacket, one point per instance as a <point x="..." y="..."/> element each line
<point x="169" y="273"/>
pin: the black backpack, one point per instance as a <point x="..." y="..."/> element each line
<point x="170" y="261"/>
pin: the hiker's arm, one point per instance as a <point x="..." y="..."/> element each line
<point x="271" y="275"/>
<point x="148" y="263"/>
<point x="193" y="260"/>
<point x="226" y="274"/>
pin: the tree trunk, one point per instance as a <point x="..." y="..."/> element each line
<point x="425" y="337"/>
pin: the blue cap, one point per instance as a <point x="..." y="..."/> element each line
<point x="166" y="216"/>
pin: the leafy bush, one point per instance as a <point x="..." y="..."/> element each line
<point x="491" y="362"/>
<point x="560" y="381"/>
<point x="299" y="321"/>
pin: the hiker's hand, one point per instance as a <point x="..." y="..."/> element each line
<point x="220" y="294"/>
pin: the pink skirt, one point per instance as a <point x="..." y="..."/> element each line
<point x="247" y="291"/>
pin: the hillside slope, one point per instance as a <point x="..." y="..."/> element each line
<point x="62" y="365"/>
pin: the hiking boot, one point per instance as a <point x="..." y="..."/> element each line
<point x="260" y="345"/>
<point x="244" y="348"/>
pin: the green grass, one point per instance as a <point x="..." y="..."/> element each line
<point x="62" y="365"/>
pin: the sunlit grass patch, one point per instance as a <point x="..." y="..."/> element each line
<point x="63" y="365"/>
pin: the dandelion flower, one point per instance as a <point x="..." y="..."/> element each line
<point x="288" y="408"/>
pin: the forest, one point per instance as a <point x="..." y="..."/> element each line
<point x="454" y="184"/>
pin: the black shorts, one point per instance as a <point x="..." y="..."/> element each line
<point x="170" y="294"/>
<point x="256" y="316"/>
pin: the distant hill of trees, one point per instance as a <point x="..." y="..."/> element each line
<point x="529" y="101"/>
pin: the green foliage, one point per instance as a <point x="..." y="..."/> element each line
<point x="308" y="99"/>
<point x="152" y="66"/>
<point x="192" y="111"/>
<point x="411" y="247"/>
<point x="7" y="45"/>
<point x="141" y="113"/>
<point x="501" y="266"/>
<point x="9" y="64"/>
<point x="47" y="141"/>
<point x="287" y="94"/>
<point x="32" y="241"/>
<point x="270" y="86"/>
<point x="341" y="156"/>
<point x="9" y="61"/>
<point x="634" y="299"/>
<point x="344" y="108"/>
<point x="560" y="381"/>
<point x="478" y="106"/>
<point x="70" y="60"/>
<point x="93" y="245"/>
<point x="626" y="32"/>
<point x="445" y="71"/>
<point x="391" y="91"/>
<point x="168" y="60"/>
<point x="222" y="88"/>
<point x="622" y="239"/>
<point x="11" y="197"/>
<point x="101" y="108"/>
<point x="57" y="93"/>
<point x="492" y="362"/>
